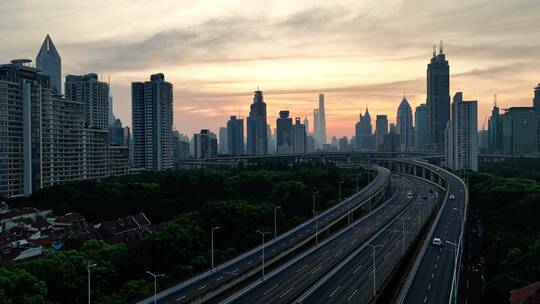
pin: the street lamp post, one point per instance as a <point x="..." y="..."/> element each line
<point x="316" y="228"/>
<point x="212" y="244"/>
<point x="275" y="220"/>
<point x="262" y="234"/>
<point x="88" y="267"/>
<point x="374" y="247"/>
<point x="155" y="283"/>
<point x="315" y="192"/>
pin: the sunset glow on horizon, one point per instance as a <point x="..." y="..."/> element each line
<point x="358" y="53"/>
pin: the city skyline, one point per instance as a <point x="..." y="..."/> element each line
<point x="217" y="60"/>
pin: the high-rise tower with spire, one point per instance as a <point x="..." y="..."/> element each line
<point x="257" y="136"/>
<point x="405" y="125"/>
<point x="48" y="61"/>
<point x="438" y="99"/>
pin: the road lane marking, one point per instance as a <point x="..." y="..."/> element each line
<point x="202" y="287"/>
<point x="269" y="290"/>
<point x="236" y="270"/>
<point x="356" y="270"/>
<point x="425" y="299"/>
<point x="250" y="262"/>
<point x="180" y="299"/>
<point x="286" y="292"/>
<point x="334" y="291"/>
<point x="339" y="252"/>
<point x="219" y="279"/>
<point x="322" y="254"/>
<point x="303" y="267"/>
<point x="429" y="286"/>
<point x="432" y="275"/>
<point x="352" y="295"/>
<point x="316" y="269"/>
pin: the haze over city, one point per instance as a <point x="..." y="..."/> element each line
<point x="359" y="53"/>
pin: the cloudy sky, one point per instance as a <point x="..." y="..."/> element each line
<point x="216" y="53"/>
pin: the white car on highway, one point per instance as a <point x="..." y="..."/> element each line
<point x="409" y="194"/>
<point x="437" y="242"/>
<point x="452" y="197"/>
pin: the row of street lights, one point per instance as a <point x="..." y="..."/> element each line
<point x="262" y="233"/>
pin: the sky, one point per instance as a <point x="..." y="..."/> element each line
<point x="360" y="53"/>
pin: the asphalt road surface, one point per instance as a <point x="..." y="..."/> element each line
<point x="227" y="272"/>
<point x="432" y="281"/>
<point x="353" y="282"/>
<point x="286" y="283"/>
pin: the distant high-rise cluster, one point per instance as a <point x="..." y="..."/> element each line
<point x="54" y="139"/>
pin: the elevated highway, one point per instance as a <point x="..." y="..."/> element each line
<point x="227" y="275"/>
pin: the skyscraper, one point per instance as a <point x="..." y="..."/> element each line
<point x="152" y="123"/>
<point x="438" y="99"/>
<point x="299" y="136"/>
<point x="520" y="129"/>
<point x="420" y="127"/>
<point x="204" y="144"/>
<point x="94" y="94"/>
<point x="284" y="135"/>
<point x="48" y="61"/>
<point x="495" y="130"/>
<point x="536" y="106"/>
<point x="306" y="124"/>
<point x="235" y="136"/>
<point x="381" y="130"/>
<point x="365" y="123"/>
<point x="223" y="145"/>
<point x="257" y="135"/>
<point x="405" y="125"/>
<point x="462" y="135"/>
<point x="316" y="129"/>
<point x="322" y="121"/>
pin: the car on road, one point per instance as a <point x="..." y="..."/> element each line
<point x="409" y="194"/>
<point x="452" y="197"/>
<point x="424" y="197"/>
<point x="437" y="242"/>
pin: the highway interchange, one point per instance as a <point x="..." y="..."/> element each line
<point x="286" y="283"/>
<point x="340" y="268"/>
<point x="353" y="282"/>
<point x="251" y="261"/>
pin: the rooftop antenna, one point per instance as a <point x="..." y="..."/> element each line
<point x="495" y="100"/>
<point x="434" y="50"/>
<point x="441" y="47"/>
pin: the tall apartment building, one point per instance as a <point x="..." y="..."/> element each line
<point x="284" y="140"/>
<point x="420" y="128"/>
<point x="62" y="140"/>
<point x="520" y="127"/>
<point x="381" y="130"/>
<point x="152" y="123"/>
<point x="94" y="94"/>
<point x="45" y="141"/>
<point x="298" y="136"/>
<point x="204" y="144"/>
<point x="235" y="136"/>
<point x="462" y="135"/>
<point x="257" y="133"/>
<point x="223" y="145"/>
